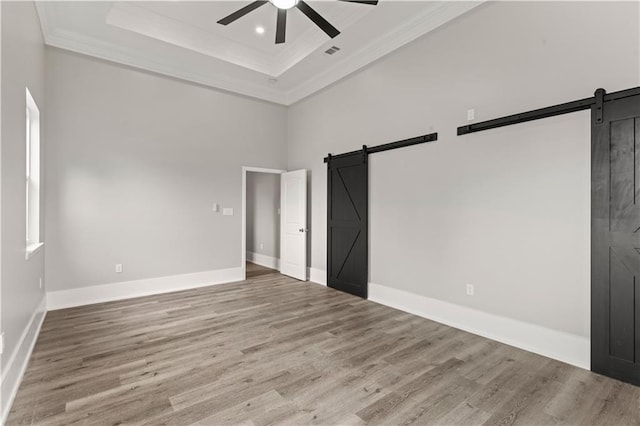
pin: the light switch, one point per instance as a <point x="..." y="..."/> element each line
<point x="471" y="114"/>
<point x="227" y="211"/>
<point x="216" y="208"/>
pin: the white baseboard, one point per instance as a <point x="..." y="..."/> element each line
<point x="125" y="290"/>
<point x="570" y="348"/>
<point x="263" y="260"/>
<point x="17" y="364"/>
<point x="566" y="347"/>
<point x="318" y="276"/>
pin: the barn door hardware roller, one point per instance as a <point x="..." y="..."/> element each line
<point x="599" y="103"/>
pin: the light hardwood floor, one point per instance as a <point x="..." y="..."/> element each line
<point x="273" y="350"/>
<point x="254" y="270"/>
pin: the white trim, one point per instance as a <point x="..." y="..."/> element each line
<point x="423" y="23"/>
<point x="12" y="374"/>
<point x="318" y="276"/>
<point x="120" y="54"/>
<point x="570" y="348"/>
<point x="146" y="22"/>
<point x="128" y="289"/>
<point x="2" y="404"/>
<point x="263" y="260"/>
<point x="430" y="19"/>
<point x="33" y="249"/>
<point x="243" y="234"/>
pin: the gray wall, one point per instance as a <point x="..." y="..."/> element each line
<point x="22" y="66"/>
<point x="505" y="210"/>
<point x="263" y="220"/>
<point x="135" y="163"/>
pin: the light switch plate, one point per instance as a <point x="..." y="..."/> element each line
<point x="470" y="289"/>
<point x="471" y="114"/>
<point x="227" y="211"/>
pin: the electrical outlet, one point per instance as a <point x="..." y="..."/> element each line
<point x="261" y="246"/>
<point x="227" y="211"/>
<point x="119" y="268"/>
<point x="469" y="289"/>
<point x="471" y="114"/>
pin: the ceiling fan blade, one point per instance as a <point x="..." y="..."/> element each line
<point x="241" y="12"/>
<point x="317" y="19"/>
<point x="371" y="2"/>
<point x="281" y="26"/>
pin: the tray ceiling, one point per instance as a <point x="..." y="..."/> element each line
<point x="182" y="39"/>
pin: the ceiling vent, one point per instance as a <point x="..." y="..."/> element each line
<point x="332" y="50"/>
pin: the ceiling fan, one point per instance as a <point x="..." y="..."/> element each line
<point x="283" y="6"/>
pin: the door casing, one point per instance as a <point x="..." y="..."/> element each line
<point x="243" y="245"/>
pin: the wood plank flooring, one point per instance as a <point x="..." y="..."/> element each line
<point x="254" y="270"/>
<point x="273" y="350"/>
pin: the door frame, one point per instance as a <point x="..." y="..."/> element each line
<point x="243" y="245"/>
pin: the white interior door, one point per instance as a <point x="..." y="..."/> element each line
<point x="293" y="226"/>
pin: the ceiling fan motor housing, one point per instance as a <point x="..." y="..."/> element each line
<point x="283" y="6"/>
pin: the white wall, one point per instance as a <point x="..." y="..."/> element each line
<point x="506" y="210"/>
<point x="22" y="300"/>
<point x="136" y="162"/>
<point x="263" y="220"/>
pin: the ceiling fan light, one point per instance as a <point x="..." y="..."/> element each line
<point x="284" y="4"/>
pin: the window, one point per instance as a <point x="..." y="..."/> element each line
<point x="33" y="176"/>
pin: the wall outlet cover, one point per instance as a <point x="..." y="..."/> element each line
<point x="227" y="211"/>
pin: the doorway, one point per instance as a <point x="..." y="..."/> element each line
<point x="293" y="232"/>
<point x="260" y="218"/>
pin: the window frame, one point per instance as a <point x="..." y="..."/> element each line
<point x="32" y="177"/>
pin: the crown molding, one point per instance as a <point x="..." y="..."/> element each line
<point x="427" y="21"/>
<point x="46" y="17"/>
<point x="90" y="46"/>
<point x="143" y="21"/>
<point x="430" y="19"/>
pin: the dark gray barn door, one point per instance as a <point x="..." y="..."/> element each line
<point x="347" y="210"/>
<point x="615" y="240"/>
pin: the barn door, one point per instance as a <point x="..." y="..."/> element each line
<point x="615" y="240"/>
<point x="347" y="221"/>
